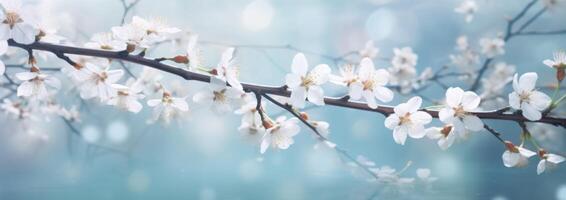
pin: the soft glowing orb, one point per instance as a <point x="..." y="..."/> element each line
<point x="117" y="132"/>
<point x="380" y="24"/>
<point x="257" y="15"/>
<point x="561" y="192"/>
<point x="91" y="134"/>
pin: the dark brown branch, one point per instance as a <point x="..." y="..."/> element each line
<point x="279" y="91"/>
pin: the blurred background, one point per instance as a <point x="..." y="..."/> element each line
<point x="204" y="156"/>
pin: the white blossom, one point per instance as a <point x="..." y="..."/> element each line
<point x="404" y="58"/>
<point x="467" y="8"/>
<point x="105" y="41"/>
<point x="446" y="135"/>
<point x="459" y="105"/>
<point x="127" y="97"/>
<point x="304" y="84"/>
<point x="408" y="120"/>
<point x="516" y="156"/>
<point x="16" y="22"/>
<point x="35" y="84"/>
<point x="526" y="98"/>
<point x="369" y="50"/>
<point x="491" y="47"/>
<point x="98" y="82"/>
<point x="280" y="134"/>
<point x="156" y="30"/>
<point x="220" y="97"/>
<point x="226" y="70"/>
<point x="167" y="107"/>
<point x="251" y="125"/>
<point x="371" y="84"/>
<point x="133" y="36"/>
<point x="548" y="161"/>
<point x="559" y="60"/>
<point x="497" y="80"/>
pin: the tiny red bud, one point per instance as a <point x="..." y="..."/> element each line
<point x="34" y="69"/>
<point x="304" y="116"/>
<point x="511" y="147"/>
<point x="213" y="72"/>
<point x="181" y="59"/>
<point x="541" y="153"/>
<point x="130" y="48"/>
<point x="560" y="74"/>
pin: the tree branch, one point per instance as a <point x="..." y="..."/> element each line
<point x="279" y="91"/>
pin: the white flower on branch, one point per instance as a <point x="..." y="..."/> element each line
<point x="193" y="53"/>
<point x="403" y="71"/>
<point x="98" y="82"/>
<point x="127" y="97"/>
<point x="226" y="70"/>
<point x="445" y="135"/>
<point x="16" y="22"/>
<point x="251" y="125"/>
<point x="497" y="80"/>
<point x="156" y="29"/>
<point x="304" y="84"/>
<point x="15" y="109"/>
<point x="150" y="79"/>
<point x="526" y="98"/>
<point x="105" y="41"/>
<point x="408" y="120"/>
<point x="559" y="60"/>
<point x="459" y="105"/>
<point x="559" y="63"/>
<point x="516" y="156"/>
<point x="220" y="97"/>
<point x="371" y="84"/>
<point x="467" y="8"/>
<point x="548" y="161"/>
<point x="491" y="47"/>
<point x="404" y="58"/>
<point x="167" y="107"/>
<point x="35" y="84"/>
<point x="279" y="134"/>
<point x="133" y="36"/>
<point x="369" y="51"/>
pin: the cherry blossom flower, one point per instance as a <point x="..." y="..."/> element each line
<point x="492" y="47"/>
<point x="445" y="135"/>
<point x="559" y="63"/>
<point x="347" y="76"/>
<point x="548" y="161"/>
<point x="516" y="156"/>
<point x="279" y="134"/>
<point x="251" y="125"/>
<point x="98" y="82"/>
<point x="167" y="107"/>
<point x="133" y="36"/>
<point x="408" y="120"/>
<point x="193" y="53"/>
<point x="404" y="58"/>
<point x="16" y="23"/>
<point x="127" y="97"/>
<point x="497" y="80"/>
<point x="35" y="84"/>
<point x="459" y="104"/>
<point x="15" y="109"/>
<point x="226" y="70"/>
<point x="155" y="29"/>
<point x="105" y="41"/>
<point x="467" y="8"/>
<point x="526" y="98"/>
<point x="220" y="97"/>
<point x="371" y="84"/>
<point x="369" y="50"/>
<point x="304" y="84"/>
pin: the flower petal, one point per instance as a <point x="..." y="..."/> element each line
<point x="530" y="112"/>
<point x="528" y="81"/>
<point x="383" y="94"/>
<point x="454" y="96"/>
<point x="300" y="65"/>
<point x="392" y="121"/>
<point x="470" y="101"/>
<point x="473" y="123"/>
<point x="315" y="95"/>
<point x="298" y="96"/>
<point x="400" y="134"/>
